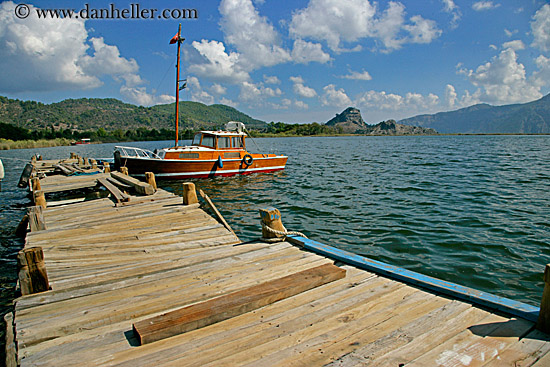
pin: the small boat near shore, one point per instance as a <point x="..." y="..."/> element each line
<point x="212" y="153"/>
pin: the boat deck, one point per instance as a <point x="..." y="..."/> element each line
<point x="111" y="266"/>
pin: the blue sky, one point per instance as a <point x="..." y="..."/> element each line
<point x="298" y="61"/>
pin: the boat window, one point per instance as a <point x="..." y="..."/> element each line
<point x="237" y="142"/>
<point x="208" y="141"/>
<point x="197" y="139"/>
<point x="223" y="142"/>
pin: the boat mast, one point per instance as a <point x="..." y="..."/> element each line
<point x="179" y="40"/>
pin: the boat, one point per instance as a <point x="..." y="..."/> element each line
<point x="212" y="153"/>
<point x="82" y="141"/>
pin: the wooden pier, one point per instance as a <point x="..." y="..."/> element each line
<point x="152" y="279"/>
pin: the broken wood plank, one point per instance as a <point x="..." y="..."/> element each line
<point x="236" y="303"/>
<point x="117" y="194"/>
<point x="142" y="188"/>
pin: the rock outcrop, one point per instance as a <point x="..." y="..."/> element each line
<point x="350" y="121"/>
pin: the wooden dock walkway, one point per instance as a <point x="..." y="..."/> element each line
<point x="115" y="267"/>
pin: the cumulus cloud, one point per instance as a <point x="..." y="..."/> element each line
<point x="395" y="102"/>
<point x="272" y="79"/>
<point x="217" y="64"/>
<point x="333" y="21"/>
<point x="300" y="89"/>
<point x="503" y="80"/>
<point x="484" y="5"/>
<point x="514" y="45"/>
<point x="540" y="27"/>
<point x="450" y="7"/>
<point x="55" y="54"/>
<point x="257" y="93"/>
<point x="339" y="22"/>
<point x="355" y="75"/>
<point x="450" y="96"/>
<point x="305" y="52"/>
<point x="335" y="97"/>
<point x="254" y="37"/>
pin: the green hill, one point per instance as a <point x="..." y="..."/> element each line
<point x="526" y="118"/>
<point x="111" y="114"/>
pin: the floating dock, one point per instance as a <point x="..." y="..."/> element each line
<point x="154" y="280"/>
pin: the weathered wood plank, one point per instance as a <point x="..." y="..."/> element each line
<point x="142" y="188"/>
<point x="224" y="307"/>
<point x="117" y="194"/>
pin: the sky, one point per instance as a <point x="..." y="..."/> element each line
<point x="297" y="61"/>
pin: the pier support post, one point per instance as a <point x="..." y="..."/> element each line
<point x="106" y="167"/>
<point x="124" y="171"/>
<point x="35" y="219"/>
<point x="189" y="194"/>
<point x="40" y="198"/>
<point x="93" y="162"/>
<point x="33" y="277"/>
<point x="543" y="323"/>
<point x="150" y="179"/>
<point x="271" y="218"/>
<point x="80" y="160"/>
<point x="35" y="182"/>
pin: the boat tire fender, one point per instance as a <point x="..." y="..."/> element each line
<point x="247" y="159"/>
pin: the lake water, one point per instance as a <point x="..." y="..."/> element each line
<point x="474" y="210"/>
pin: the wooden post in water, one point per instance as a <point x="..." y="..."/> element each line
<point x="106" y="167"/>
<point x="543" y="323"/>
<point x="124" y="171"/>
<point x="86" y="163"/>
<point x="35" y="219"/>
<point x="93" y="162"/>
<point x="40" y="198"/>
<point x="80" y="160"/>
<point x="271" y="218"/>
<point x="150" y="179"/>
<point x="33" y="277"/>
<point x="189" y="194"/>
<point x="35" y="183"/>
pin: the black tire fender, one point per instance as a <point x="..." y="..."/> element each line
<point x="247" y="160"/>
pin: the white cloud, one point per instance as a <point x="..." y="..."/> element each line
<point x="229" y="102"/>
<point x="55" y="54"/>
<point x="198" y="94"/>
<point x="333" y="21"/>
<point x="300" y="89"/>
<point x="540" y="27"/>
<point x="355" y="75"/>
<point x="218" y="89"/>
<point x="484" y="5"/>
<point x="42" y="54"/>
<point x="335" y="97"/>
<point x="541" y="77"/>
<point x="503" y="80"/>
<point x="255" y="38"/>
<point x="451" y="8"/>
<point x="450" y="96"/>
<point x="216" y="64"/>
<point x="393" y="31"/>
<point x="271" y="79"/>
<point x="394" y="102"/>
<point x="257" y="93"/>
<point x="514" y="45"/>
<point x="305" y="52"/>
<point x="140" y="96"/>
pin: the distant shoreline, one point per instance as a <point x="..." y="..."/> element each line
<point x="48" y="143"/>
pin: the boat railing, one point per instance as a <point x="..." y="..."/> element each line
<point x="134" y="152"/>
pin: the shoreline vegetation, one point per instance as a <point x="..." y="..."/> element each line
<point x="8" y="144"/>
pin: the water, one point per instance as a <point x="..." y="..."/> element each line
<point x="470" y="209"/>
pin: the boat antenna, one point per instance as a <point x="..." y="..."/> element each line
<point x="177" y="38"/>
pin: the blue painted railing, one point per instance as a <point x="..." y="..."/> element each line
<point x="453" y="290"/>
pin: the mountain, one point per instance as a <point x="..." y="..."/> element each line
<point x="527" y="118"/>
<point x="351" y="122"/>
<point x="112" y="114"/>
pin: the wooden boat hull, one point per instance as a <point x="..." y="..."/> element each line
<point x="176" y="169"/>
